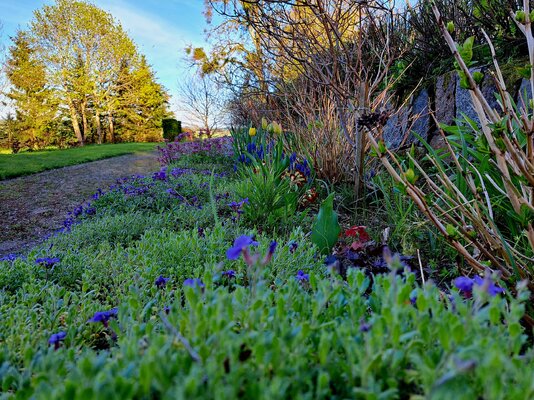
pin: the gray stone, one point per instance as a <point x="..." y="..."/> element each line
<point x="524" y="90"/>
<point x="464" y="104"/>
<point x="445" y="98"/>
<point x="395" y="129"/>
<point x="420" y="117"/>
<point x="489" y="91"/>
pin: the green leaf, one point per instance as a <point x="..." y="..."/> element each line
<point x="326" y="228"/>
<point x="478" y="77"/>
<point x="525" y="71"/>
<point x="466" y="50"/>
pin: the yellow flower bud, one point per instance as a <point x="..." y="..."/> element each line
<point x="252" y="131"/>
<point x="264" y="123"/>
<point x="277" y="128"/>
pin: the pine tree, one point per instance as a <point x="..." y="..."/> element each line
<point x="34" y="101"/>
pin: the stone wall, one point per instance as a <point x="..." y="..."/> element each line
<point x="449" y="103"/>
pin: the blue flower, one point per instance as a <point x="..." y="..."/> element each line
<point x="465" y="285"/>
<point x="161" y="281"/>
<point x="104" y="316"/>
<point x="161" y="175"/>
<point x="302" y="277"/>
<point x="241" y="243"/>
<point x="364" y="326"/>
<point x="47" y="261"/>
<point x="194" y="282"/>
<point x="270" y="253"/>
<point x="10" y="257"/>
<point x="56" y="339"/>
<point x="293" y="246"/>
<point x="229" y="274"/>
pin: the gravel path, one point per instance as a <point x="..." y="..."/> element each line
<point x="31" y="207"/>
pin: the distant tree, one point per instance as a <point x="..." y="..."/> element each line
<point x="77" y="63"/>
<point x="95" y="67"/>
<point x="203" y="100"/>
<point x="33" y="100"/>
<point x="141" y="104"/>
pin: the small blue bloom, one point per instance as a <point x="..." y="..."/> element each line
<point x="364" y="326"/>
<point x="229" y="274"/>
<point x="465" y="285"/>
<point x="104" y="316"/>
<point x="302" y="277"/>
<point x="161" y="175"/>
<point x="241" y="243"/>
<point x="194" y="282"/>
<point x="10" y="257"/>
<point x="56" y="339"/>
<point x="161" y="281"/>
<point x="47" y="261"/>
<point x="293" y="246"/>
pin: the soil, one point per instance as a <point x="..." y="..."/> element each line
<point x="33" y="207"/>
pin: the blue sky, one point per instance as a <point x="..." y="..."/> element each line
<point x="161" y="29"/>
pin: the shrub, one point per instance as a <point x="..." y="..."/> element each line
<point x="171" y="128"/>
<point x="480" y="196"/>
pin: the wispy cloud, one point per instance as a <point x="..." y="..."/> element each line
<point x="159" y="37"/>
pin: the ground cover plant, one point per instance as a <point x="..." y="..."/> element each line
<point x="157" y="288"/>
<point x="27" y="163"/>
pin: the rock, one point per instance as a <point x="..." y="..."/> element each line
<point x="489" y="91"/>
<point x="464" y="104"/>
<point x="395" y="129"/>
<point x="445" y="98"/>
<point x="420" y="117"/>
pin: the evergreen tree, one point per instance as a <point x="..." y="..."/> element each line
<point x="33" y="99"/>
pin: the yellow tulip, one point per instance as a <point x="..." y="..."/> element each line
<point x="277" y="128"/>
<point x="264" y="124"/>
<point x="252" y="131"/>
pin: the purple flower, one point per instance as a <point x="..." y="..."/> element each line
<point x="302" y="277"/>
<point x="229" y="274"/>
<point x="240" y="244"/>
<point x="293" y="246"/>
<point x="465" y="285"/>
<point x="47" y="261"/>
<point x="364" y="326"/>
<point x="161" y="175"/>
<point x="104" y="316"/>
<point x="194" y="282"/>
<point x="56" y="339"/>
<point x="10" y="257"/>
<point x="161" y="281"/>
<point x="270" y="253"/>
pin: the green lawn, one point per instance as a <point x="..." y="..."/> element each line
<point x="13" y="165"/>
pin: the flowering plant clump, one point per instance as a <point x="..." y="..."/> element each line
<point x="207" y="309"/>
<point x="47" y="261"/>
<point x="465" y="285"/>
<point x="172" y="151"/>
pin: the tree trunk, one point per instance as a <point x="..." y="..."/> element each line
<point x="111" y="128"/>
<point x="98" y="127"/>
<point x="84" y="119"/>
<point x="75" y="123"/>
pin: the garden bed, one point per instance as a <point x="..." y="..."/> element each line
<point x="162" y="288"/>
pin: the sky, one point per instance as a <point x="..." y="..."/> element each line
<point x="162" y="29"/>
